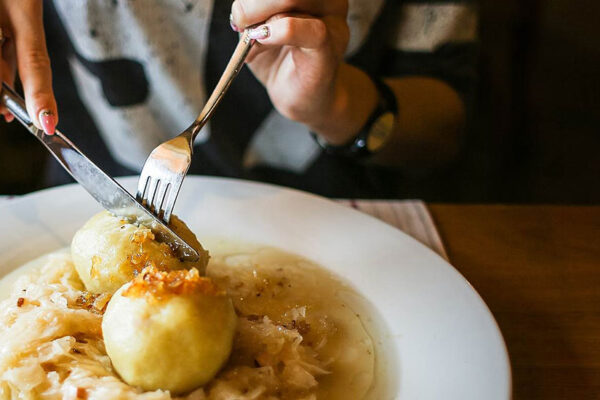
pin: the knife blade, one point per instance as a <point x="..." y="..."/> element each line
<point x="102" y="187"/>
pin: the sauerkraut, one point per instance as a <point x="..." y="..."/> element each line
<point x="51" y="344"/>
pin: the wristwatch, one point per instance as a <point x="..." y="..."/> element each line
<point x="375" y="133"/>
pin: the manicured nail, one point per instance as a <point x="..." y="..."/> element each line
<point x="48" y="122"/>
<point x="233" y="25"/>
<point x="8" y="117"/>
<point x="260" y="33"/>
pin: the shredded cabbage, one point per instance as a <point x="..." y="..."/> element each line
<point x="51" y="347"/>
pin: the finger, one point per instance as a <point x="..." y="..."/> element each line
<point x="34" y="65"/>
<point x="297" y="32"/>
<point x="251" y="12"/>
<point x="3" y="73"/>
<point x="7" y="70"/>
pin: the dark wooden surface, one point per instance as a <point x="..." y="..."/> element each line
<point x="538" y="269"/>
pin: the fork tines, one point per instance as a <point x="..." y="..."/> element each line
<point x="154" y="196"/>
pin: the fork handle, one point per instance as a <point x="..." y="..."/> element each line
<point x="235" y="65"/>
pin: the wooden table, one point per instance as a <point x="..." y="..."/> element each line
<point x="538" y="269"/>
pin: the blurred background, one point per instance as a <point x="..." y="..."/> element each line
<point x="534" y="135"/>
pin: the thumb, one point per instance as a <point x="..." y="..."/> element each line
<point x="33" y="64"/>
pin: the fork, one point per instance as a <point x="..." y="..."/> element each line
<point x="167" y="165"/>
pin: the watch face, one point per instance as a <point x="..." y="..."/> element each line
<point x="380" y="132"/>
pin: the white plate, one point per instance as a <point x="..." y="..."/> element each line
<point x="442" y="341"/>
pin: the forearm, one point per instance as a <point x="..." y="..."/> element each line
<point x="430" y="120"/>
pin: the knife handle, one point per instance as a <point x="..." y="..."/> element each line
<point x="16" y="105"/>
<point x="57" y="144"/>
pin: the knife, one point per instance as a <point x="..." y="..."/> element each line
<point x="103" y="188"/>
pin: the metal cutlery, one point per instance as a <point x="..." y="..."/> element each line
<point x="167" y="165"/>
<point x="103" y="188"/>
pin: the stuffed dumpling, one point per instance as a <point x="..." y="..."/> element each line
<point x="169" y="330"/>
<point x="108" y="251"/>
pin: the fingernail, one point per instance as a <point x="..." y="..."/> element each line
<point x="8" y="117"/>
<point x="260" y="33"/>
<point x="48" y="122"/>
<point x="233" y="25"/>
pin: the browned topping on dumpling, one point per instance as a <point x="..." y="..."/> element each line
<point x="161" y="284"/>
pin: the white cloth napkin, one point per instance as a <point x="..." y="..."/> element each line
<point x="410" y="216"/>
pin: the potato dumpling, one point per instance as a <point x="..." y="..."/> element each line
<point x="108" y="251"/>
<point x="169" y="330"/>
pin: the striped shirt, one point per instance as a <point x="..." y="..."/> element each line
<point x="129" y="76"/>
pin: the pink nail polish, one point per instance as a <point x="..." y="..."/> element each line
<point x="233" y="25"/>
<point x="48" y="122"/>
<point x="8" y="117"/>
<point x="260" y="33"/>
